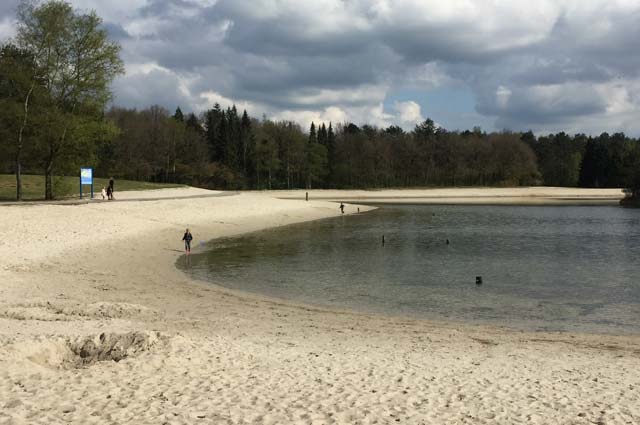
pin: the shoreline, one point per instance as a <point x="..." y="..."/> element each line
<point x="332" y="309"/>
<point x="539" y="195"/>
<point x="551" y="335"/>
<point x="105" y="282"/>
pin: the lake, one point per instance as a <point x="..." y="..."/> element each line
<point x="551" y="268"/>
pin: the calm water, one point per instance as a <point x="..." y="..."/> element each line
<point x="543" y="268"/>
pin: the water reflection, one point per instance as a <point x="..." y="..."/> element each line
<point x="552" y="268"/>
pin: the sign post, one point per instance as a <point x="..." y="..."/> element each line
<point x="86" y="178"/>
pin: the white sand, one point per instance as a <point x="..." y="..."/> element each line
<point x="82" y="285"/>
<point x="471" y="195"/>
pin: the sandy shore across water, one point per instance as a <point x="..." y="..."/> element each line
<point x="471" y="195"/>
<point x="97" y="326"/>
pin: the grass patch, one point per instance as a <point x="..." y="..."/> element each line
<point x="67" y="187"/>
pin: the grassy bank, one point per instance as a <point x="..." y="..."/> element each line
<point x="65" y="187"/>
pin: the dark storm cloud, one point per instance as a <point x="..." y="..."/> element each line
<point x="251" y="66"/>
<point x="527" y="64"/>
<point x="287" y="36"/>
<point x="116" y="31"/>
<point x="540" y="107"/>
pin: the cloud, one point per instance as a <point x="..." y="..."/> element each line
<point x="8" y="8"/>
<point x="409" y="112"/>
<point x="545" y="65"/>
<point x="148" y="85"/>
<point x="7" y="29"/>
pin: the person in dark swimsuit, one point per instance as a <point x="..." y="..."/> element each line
<point x="187" y="238"/>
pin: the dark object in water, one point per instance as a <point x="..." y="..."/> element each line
<point x="382" y="239"/>
<point x="478" y="280"/>
<point x="447" y="241"/>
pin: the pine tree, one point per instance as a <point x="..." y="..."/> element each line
<point x="193" y="123"/>
<point x="212" y="122"/>
<point x="427" y="129"/>
<point x="245" y="138"/>
<point x="232" y="138"/>
<point x="331" y="153"/>
<point x="312" y="133"/>
<point x="322" y="135"/>
<point x="316" y="159"/>
<point x="221" y="138"/>
<point x="178" y="116"/>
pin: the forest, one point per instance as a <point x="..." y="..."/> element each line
<point x="225" y="149"/>
<point x="55" y="116"/>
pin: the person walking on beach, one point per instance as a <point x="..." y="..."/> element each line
<point x="103" y="193"/>
<point x="342" y="207"/>
<point x="187" y="238"/>
<point x="110" y="190"/>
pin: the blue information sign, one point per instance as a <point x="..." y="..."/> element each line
<point x="86" y="177"/>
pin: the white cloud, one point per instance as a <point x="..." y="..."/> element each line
<point x="428" y="76"/>
<point x="371" y="115"/>
<point x="365" y="94"/>
<point x="210" y="98"/>
<point x="7" y="29"/>
<point x="409" y="112"/>
<point x="502" y="96"/>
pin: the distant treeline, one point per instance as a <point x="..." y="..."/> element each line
<point x="224" y="149"/>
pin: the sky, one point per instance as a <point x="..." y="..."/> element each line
<point x="544" y="65"/>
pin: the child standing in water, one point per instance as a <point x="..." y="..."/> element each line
<point x="342" y="207"/>
<point x="187" y="238"/>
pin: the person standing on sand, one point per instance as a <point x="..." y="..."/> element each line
<point x="103" y="193"/>
<point x="110" y="191"/>
<point x="187" y="238"/>
<point x="342" y="207"/>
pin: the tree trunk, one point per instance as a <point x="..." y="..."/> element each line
<point x="288" y="175"/>
<point x="18" y="178"/>
<point x="244" y="157"/>
<point x="258" y="174"/>
<point x="48" y="183"/>
<point x="19" y="149"/>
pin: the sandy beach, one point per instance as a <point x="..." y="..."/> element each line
<point x="471" y="195"/>
<point x="98" y="326"/>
